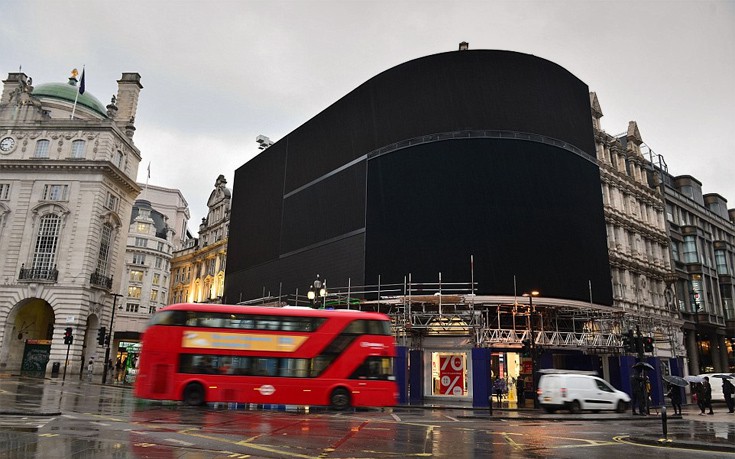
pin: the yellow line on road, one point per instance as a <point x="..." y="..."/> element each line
<point x="249" y="445"/>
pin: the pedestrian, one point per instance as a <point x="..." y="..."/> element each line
<point x="698" y="396"/>
<point x="500" y="388"/>
<point x="635" y="392"/>
<point x="90" y="370"/>
<point x="521" y="391"/>
<point x="707" y="395"/>
<point x="674" y="393"/>
<point x="727" y="390"/>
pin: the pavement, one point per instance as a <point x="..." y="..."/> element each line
<point x="710" y="432"/>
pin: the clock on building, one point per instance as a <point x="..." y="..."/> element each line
<point x="7" y="144"/>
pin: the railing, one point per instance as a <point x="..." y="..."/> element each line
<point x="99" y="280"/>
<point x="38" y="274"/>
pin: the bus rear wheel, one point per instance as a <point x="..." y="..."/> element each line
<point x="194" y="394"/>
<point x="340" y="399"/>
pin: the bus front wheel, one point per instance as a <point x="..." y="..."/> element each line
<point x="194" y="394"/>
<point x="340" y="399"/>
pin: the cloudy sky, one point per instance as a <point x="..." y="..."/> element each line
<point x="217" y="74"/>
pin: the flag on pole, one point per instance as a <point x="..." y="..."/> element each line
<point x="81" y="83"/>
<point x="149" y="169"/>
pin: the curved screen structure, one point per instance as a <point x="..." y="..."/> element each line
<point x="488" y="154"/>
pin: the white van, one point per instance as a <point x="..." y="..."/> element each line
<point x="579" y="391"/>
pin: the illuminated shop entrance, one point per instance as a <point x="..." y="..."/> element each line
<point x="509" y="367"/>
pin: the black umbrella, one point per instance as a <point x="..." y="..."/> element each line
<point x="645" y="365"/>
<point x="675" y="380"/>
<point x="723" y="376"/>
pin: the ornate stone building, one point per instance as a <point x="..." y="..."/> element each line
<point x="637" y="238"/>
<point x="67" y="185"/>
<point x="198" y="269"/>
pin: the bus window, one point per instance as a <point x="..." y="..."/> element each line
<point x="375" y="368"/>
<point x="294" y="368"/>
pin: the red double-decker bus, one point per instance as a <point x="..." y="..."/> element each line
<point x="201" y="353"/>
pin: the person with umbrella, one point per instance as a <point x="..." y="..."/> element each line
<point x="707" y="396"/>
<point x="674" y="392"/>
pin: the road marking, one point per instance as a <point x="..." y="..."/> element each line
<point x="510" y="441"/>
<point x="48" y="435"/>
<point x="275" y="450"/>
<point x="180" y="442"/>
<point x="453" y="419"/>
<point x="395" y="416"/>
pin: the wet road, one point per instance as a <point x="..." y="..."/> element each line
<point x="81" y="420"/>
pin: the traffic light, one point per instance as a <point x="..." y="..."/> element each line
<point x="526" y="350"/>
<point x="101" y="335"/>
<point x="68" y="338"/>
<point x="647" y="344"/>
<point x="629" y="344"/>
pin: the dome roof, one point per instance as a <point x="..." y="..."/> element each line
<point x="68" y="92"/>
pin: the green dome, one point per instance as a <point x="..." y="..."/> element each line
<point x="67" y="92"/>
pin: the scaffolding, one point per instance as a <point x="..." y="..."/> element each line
<point x="419" y="310"/>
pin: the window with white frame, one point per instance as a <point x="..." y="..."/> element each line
<point x="151" y="309"/>
<point x="140" y="242"/>
<point x="104" y="253"/>
<point x="156" y="278"/>
<point x="54" y="192"/>
<point x="131" y="307"/>
<point x="42" y="147"/>
<point x="77" y="149"/>
<point x="160" y="246"/>
<point x="154" y="295"/>
<point x="136" y="276"/>
<point x="112" y="201"/>
<point x="4" y="191"/>
<point x="143" y="228"/>
<point x="44" y="255"/>
<point x="134" y="291"/>
<point x="159" y="262"/>
<point x="138" y="258"/>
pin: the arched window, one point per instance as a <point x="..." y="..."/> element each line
<point x="42" y="147"/>
<point x="77" y="149"/>
<point x="44" y="256"/>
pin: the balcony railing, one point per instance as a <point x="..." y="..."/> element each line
<point x="38" y="274"/>
<point x="99" y="280"/>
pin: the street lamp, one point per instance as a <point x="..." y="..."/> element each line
<point x="318" y="290"/>
<point x="109" y="337"/>
<point x="531" y="310"/>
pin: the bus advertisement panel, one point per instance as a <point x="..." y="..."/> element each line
<point x="201" y="353"/>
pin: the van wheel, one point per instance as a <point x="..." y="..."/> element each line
<point x="194" y="394"/>
<point x="575" y="407"/>
<point x="621" y="407"/>
<point x="340" y="399"/>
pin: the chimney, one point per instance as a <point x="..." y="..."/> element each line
<point x="128" y="90"/>
<point x="464" y="46"/>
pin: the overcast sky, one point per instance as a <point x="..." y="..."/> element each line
<point x="217" y="74"/>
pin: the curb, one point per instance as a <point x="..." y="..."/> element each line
<point x="678" y="444"/>
<point x="26" y="413"/>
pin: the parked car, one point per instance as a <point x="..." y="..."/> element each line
<point x="579" y="391"/>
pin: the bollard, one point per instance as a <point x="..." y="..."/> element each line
<point x="663" y="422"/>
<point x="490" y="405"/>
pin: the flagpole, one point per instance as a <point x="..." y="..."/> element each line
<point x="76" y="98"/>
<point x="145" y="191"/>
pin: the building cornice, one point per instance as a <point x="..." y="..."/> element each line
<point x="72" y="166"/>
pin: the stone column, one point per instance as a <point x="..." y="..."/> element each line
<point x="692" y="352"/>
